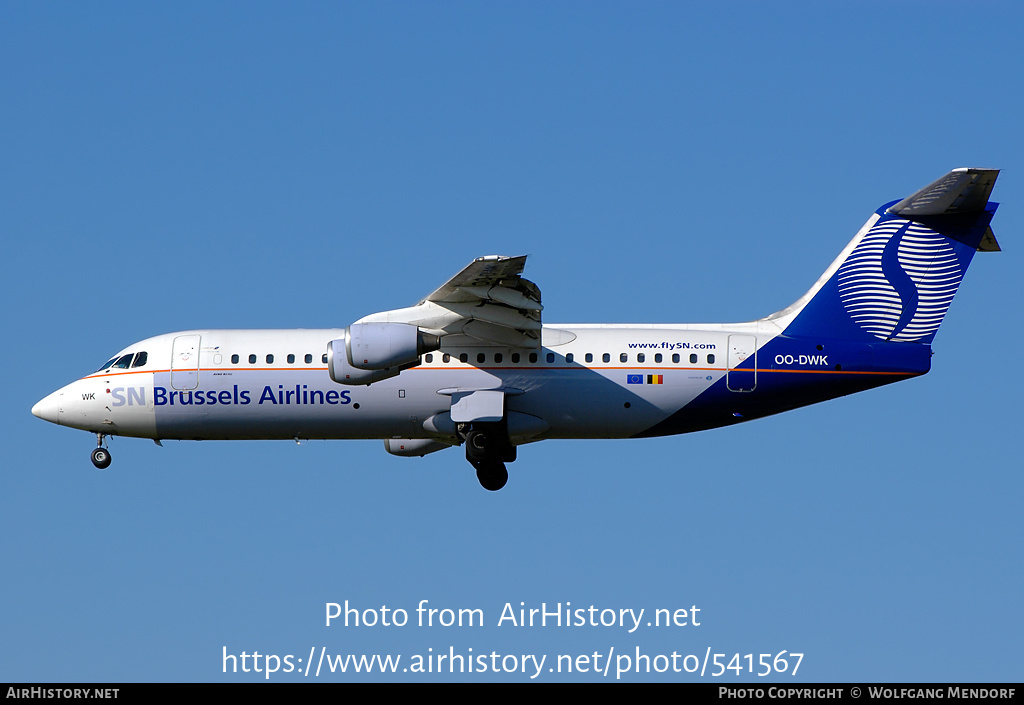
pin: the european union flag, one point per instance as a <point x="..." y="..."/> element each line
<point x="634" y="379"/>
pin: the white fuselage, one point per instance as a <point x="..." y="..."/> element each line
<point x="587" y="381"/>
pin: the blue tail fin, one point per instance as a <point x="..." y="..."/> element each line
<point x="897" y="277"/>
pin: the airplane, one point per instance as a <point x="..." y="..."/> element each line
<point x="473" y="365"/>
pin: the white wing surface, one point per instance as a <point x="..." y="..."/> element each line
<point x="487" y="301"/>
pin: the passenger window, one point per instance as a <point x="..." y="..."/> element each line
<point x="480" y="357"/>
<point x="569" y="357"/>
<point x="252" y="359"/>
<point x="589" y="357"/>
<point x="446" y="358"/>
<point x="234" y="359"/>
<point x="140" y="359"/>
<point x="657" y="357"/>
<point x="551" y="358"/>
<point x="675" y="358"/>
<point x="515" y="358"/>
<point x="623" y="357"/>
<point x="323" y="358"/>
<point x="693" y="359"/>
<point x="640" y="357"/>
<point x="124" y="362"/>
<point x="533" y="357"/>
<point x="270" y="359"/>
<point x="606" y="357"/>
<point x="428" y="358"/>
<point x="464" y="357"/>
<point x="291" y="359"/>
<point x="308" y="358"/>
<point x="711" y="359"/>
<point x="498" y="357"/>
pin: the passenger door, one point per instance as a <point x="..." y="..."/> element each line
<point x="185" y="362"/>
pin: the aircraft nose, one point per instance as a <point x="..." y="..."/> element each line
<point x="48" y="408"/>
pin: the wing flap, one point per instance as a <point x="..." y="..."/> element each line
<point x="503" y="294"/>
<point x="493" y="301"/>
<point x="491" y="333"/>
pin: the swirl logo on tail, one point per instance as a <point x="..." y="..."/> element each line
<point x="899" y="280"/>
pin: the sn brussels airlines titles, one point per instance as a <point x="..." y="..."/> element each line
<point x="300" y="395"/>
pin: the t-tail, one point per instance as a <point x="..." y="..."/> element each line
<point x="895" y="280"/>
<point x="868" y="321"/>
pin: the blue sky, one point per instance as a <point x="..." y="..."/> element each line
<point x="252" y="165"/>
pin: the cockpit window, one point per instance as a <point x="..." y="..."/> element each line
<point x="140" y="359"/>
<point x="124" y="362"/>
<point x="108" y="364"/>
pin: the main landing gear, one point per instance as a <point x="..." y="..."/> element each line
<point x="491" y="474"/>
<point x="101" y="456"/>
<point x="488" y="449"/>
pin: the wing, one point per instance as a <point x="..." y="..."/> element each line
<point x="488" y="301"/>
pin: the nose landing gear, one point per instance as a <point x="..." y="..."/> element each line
<point x="101" y="456"/>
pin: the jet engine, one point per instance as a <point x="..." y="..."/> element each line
<point x="370" y="352"/>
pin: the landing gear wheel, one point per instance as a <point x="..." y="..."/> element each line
<point x="492" y="475"/>
<point x="477" y="446"/>
<point x="101" y="458"/>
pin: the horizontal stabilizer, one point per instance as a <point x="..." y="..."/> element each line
<point x="988" y="242"/>
<point x="964" y="190"/>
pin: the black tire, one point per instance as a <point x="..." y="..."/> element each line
<point x="101" y="458"/>
<point x="492" y="476"/>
